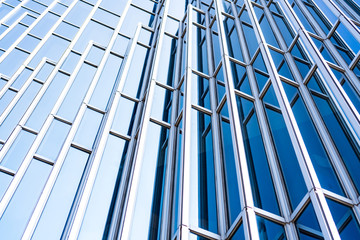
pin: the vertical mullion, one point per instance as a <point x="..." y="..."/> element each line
<point x="250" y="225"/>
<point x="215" y="124"/>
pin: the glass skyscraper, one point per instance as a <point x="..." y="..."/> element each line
<point x="174" y="119"/>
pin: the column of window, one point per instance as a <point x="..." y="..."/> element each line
<point x="341" y="54"/>
<point x="326" y="175"/>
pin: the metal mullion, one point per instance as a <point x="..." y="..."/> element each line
<point x="250" y="225"/>
<point x="23" y="167"/>
<point x="267" y="137"/>
<point x="172" y="144"/>
<point x="323" y="212"/>
<point x="186" y="136"/>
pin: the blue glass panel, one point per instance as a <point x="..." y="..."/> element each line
<point x="345" y="220"/>
<point x="106" y="17"/>
<point x="321" y="162"/>
<point x="78" y="13"/>
<point x="12" y="62"/>
<point x="199" y="54"/>
<point x="231" y="183"/>
<point x="251" y="39"/>
<point x="239" y="234"/>
<point x="202" y="174"/>
<point x="167" y="60"/>
<point x="270" y="97"/>
<point x="307" y="225"/>
<point x="67" y="30"/>
<point x="28" y="43"/>
<point x="294" y="181"/>
<point x="261" y="182"/>
<point x="61" y="197"/>
<point x="44" y="25"/>
<point x="18" y="212"/>
<point x="200" y="91"/>
<point x="20" y="80"/>
<point x="132" y="18"/>
<point x="261" y="80"/>
<point x="269" y="230"/>
<point x="6" y="99"/>
<point x="70" y="62"/>
<point x="259" y="63"/>
<point x="114" y="6"/>
<point x="101" y="199"/>
<point x="348" y="152"/>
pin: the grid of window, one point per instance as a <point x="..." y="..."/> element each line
<point x="169" y="119"/>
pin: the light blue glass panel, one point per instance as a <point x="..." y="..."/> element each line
<point x="70" y="62"/>
<point x="44" y="25"/>
<point x="95" y="55"/>
<point x="177" y="9"/>
<point x="18" y="150"/>
<point x="44" y="72"/>
<point x="149" y="191"/>
<point x="167" y="60"/>
<point x="61" y="196"/>
<point x="199" y="51"/>
<point x="106" y="17"/>
<point x="54" y="138"/>
<point x="77" y="92"/>
<point x="251" y="39"/>
<point x="53" y="49"/>
<point x="103" y="193"/>
<point x="18" y="110"/>
<point x="88" y="129"/>
<point x="203" y="210"/>
<point x="5" y="180"/>
<point x="114" y="6"/>
<point x="6" y="99"/>
<point x="12" y="36"/>
<point x="59" y="9"/>
<point x="18" y="212"/>
<point x="136" y="75"/>
<point x="12" y="62"/>
<point x="120" y="44"/>
<point x="124" y="116"/>
<point x="47" y="101"/>
<point x="79" y="13"/>
<point x="161" y="104"/>
<point x="132" y="18"/>
<point x="29" y="43"/>
<point x="91" y="32"/>
<point x="67" y="30"/>
<point x="107" y="82"/>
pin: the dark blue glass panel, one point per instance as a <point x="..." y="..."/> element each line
<point x="289" y="164"/>
<point x="261" y="182"/>
<point x="307" y="224"/>
<point x="270" y="230"/>
<point x="270" y="97"/>
<point x="239" y="234"/>
<point x="321" y="162"/>
<point x="203" y="207"/>
<point x="345" y="220"/>
<point x="232" y="188"/>
<point x="349" y="153"/>
<point x="251" y="39"/>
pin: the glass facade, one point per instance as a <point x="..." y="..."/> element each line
<point x="172" y="119"/>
